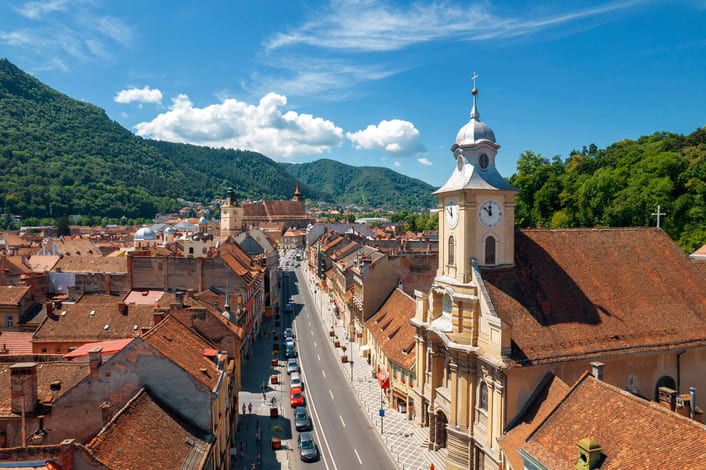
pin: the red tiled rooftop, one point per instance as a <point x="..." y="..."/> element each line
<point x="143" y="296"/>
<point x="108" y="348"/>
<point x="633" y="433"/>
<point x="391" y="328"/>
<point x="578" y="293"/>
<point x="12" y="295"/>
<point x="15" y="343"/>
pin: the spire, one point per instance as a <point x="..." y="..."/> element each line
<point x="474" y="112"/>
<point x="227" y="305"/>
<point x="297" y="191"/>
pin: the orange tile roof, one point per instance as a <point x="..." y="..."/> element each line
<point x="12" y="295"/>
<point x="92" y="264"/>
<point x="633" y="432"/>
<point x="80" y="325"/>
<point x="39" y="263"/>
<point x="108" y="348"/>
<point x="284" y="208"/>
<point x="148" y="432"/>
<point x="391" y="328"/>
<point x="579" y="293"/>
<point x="143" y="296"/>
<point x="68" y="373"/>
<point x="15" y="343"/>
<point x="185" y="347"/>
<point x="548" y="395"/>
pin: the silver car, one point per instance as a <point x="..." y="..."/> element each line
<point x="292" y="366"/>
<point x="308" y="450"/>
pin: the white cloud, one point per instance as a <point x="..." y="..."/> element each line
<point x="238" y="125"/>
<point x="424" y="161"/>
<point x="395" y="137"/>
<point x="374" y="25"/>
<point x="35" y="10"/>
<point x="145" y="95"/>
<point x="396" y="163"/>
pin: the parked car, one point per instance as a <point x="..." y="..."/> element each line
<point x="302" y="422"/>
<point x="292" y="366"/>
<point x="288" y="308"/>
<point x="288" y="333"/>
<point x="290" y="352"/>
<point x="296" y="397"/>
<point x="308" y="450"/>
<point x="295" y="381"/>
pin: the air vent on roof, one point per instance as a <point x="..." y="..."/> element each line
<point x="106" y="327"/>
<point x="189" y="441"/>
<point x="93" y="312"/>
<point x="134" y="328"/>
<point x="63" y="314"/>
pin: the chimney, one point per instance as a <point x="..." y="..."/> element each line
<point x="179" y="296"/>
<point x="66" y="459"/>
<point x="50" y="308"/>
<point x="597" y="370"/>
<point x="667" y="397"/>
<point x="106" y="412"/>
<point x="122" y="308"/>
<point x="221" y="360"/>
<point x="157" y="316"/>
<point x="589" y="454"/>
<point x="23" y="386"/>
<point x="94" y="357"/>
<point x="692" y="403"/>
<point x="57" y="305"/>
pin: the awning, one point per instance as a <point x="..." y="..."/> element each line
<point x="365" y="347"/>
<point x="383" y="379"/>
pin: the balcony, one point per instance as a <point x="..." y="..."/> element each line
<point x="443" y="399"/>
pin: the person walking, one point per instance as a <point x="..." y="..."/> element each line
<point x="243" y="408"/>
<point x="250" y="408"/>
<point x="242" y="451"/>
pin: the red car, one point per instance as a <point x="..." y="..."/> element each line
<point x="296" y="397"/>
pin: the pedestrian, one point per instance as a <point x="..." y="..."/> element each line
<point x="257" y="435"/>
<point x="250" y="408"/>
<point x="242" y="450"/>
<point x="243" y="408"/>
<point x="252" y="466"/>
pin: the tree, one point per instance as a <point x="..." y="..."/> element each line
<point x="62" y="227"/>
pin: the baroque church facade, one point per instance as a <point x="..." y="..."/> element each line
<point x="507" y="307"/>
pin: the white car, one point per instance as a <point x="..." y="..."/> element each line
<point x="296" y="381"/>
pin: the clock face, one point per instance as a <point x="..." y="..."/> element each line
<point x="490" y="213"/>
<point x="451" y="213"/>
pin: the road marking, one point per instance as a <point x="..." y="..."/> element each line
<point x="318" y="357"/>
<point x="331" y="393"/>
<point x="356" y="454"/>
<point x="323" y="373"/>
<point x="314" y="343"/>
<point x="344" y="424"/>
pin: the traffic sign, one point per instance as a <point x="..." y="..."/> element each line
<point x="382" y="413"/>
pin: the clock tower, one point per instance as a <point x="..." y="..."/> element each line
<point x="478" y="207"/>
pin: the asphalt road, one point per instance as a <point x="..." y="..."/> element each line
<point x="344" y="435"/>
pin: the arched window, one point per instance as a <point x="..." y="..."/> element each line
<point x="452" y="247"/>
<point x="490" y="250"/>
<point x="483" y="402"/>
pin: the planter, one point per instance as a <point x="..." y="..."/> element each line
<point x="273" y="379"/>
<point x="276" y="443"/>
<point x="337" y="344"/>
<point x="274" y="412"/>
<point x="275" y="362"/>
<point x="330" y="333"/>
<point x="344" y="358"/>
<point x="276" y="322"/>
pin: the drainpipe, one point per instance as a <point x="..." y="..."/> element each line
<point x="679" y="370"/>
<point x="692" y="403"/>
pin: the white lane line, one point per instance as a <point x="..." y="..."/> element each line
<point x="323" y="373"/>
<point x="318" y="357"/>
<point x="341" y="418"/>
<point x="327" y="456"/>
<point x="331" y="393"/>
<point x="356" y="454"/>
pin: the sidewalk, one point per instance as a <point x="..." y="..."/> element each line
<point x="256" y="373"/>
<point x="407" y="445"/>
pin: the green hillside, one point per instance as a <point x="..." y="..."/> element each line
<point x="369" y="186"/>
<point x="620" y="186"/>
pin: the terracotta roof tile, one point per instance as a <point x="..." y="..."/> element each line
<point x="12" y="295"/>
<point x="185" y="347"/>
<point x="284" y="208"/>
<point x="15" y="343"/>
<point x="108" y="348"/>
<point x="543" y="401"/>
<point x="147" y="432"/>
<point x="391" y="328"/>
<point x="79" y="324"/>
<point x="92" y="264"/>
<point x="633" y="433"/>
<point x="577" y="293"/>
<point x="65" y="372"/>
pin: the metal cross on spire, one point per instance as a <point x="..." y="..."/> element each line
<point x="475" y="75"/>
<point x="658" y="214"/>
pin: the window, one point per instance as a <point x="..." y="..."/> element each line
<point x="483" y="402"/>
<point x="490" y="250"/>
<point x="452" y="247"/>
<point x="8" y="322"/>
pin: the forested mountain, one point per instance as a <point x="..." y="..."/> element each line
<point x="62" y="156"/>
<point x="621" y="185"/>
<point x="371" y="186"/>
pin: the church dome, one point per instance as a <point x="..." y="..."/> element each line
<point x="475" y="131"/>
<point x="145" y="233"/>
<point x="203" y="220"/>
<point x="169" y="231"/>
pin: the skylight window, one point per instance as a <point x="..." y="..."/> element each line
<point x="106" y="327"/>
<point x="93" y="312"/>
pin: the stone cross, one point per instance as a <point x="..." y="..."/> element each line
<point x="658" y="214"/>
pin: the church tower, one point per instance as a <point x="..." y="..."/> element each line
<point x="478" y="206"/>
<point x="231" y="215"/>
<point x="298" y="197"/>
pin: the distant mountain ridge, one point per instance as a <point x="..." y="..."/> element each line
<point x="373" y="186"/>
<point x="63" y="156"/>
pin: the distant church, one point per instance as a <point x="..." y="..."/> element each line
<point x="508" y="307"/>
<point x="237" y="218"/>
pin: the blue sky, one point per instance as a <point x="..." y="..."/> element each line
<point x="370" y="82"/>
